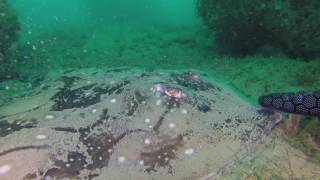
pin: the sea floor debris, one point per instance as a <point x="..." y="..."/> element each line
<point x="95" y="123"/>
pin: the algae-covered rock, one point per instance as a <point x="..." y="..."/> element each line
<point x="243" y="27"/>
<point x="9" y="27"/>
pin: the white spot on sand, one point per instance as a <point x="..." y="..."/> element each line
<point x="109" y="150"/>
<point x="71" y="159"/>
<point x="41" y="136"/>
<point x="141" y="162"/>
<point x="150" y="127"/>
<point x="158" y="103"/>
<point x="68" y="165"/>
<point x="100" y="158"/>
<point x="147" y="120"/>
<point x="7" y="87"/>
<point x="172" y="125"/>
<point x="121" y="159"/>
<point x="184" y="111"/>
<point x="189" y="151"/>
<point x="147" y="141"/>
<point x="4" y="169"/>
<point x="113" y="100"/>
<point x="9" y="128"/>
<point x="166" y="159"/>
<point x="109" y="140"/>
<point x="94" y="110"/>
<point x="49" y="116"/>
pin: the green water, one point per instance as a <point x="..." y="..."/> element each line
<point x="61" y="42"/>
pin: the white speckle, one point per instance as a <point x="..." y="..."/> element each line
<point x="166" y="159"/>
<point x="159" y="102"/>
<point x="41" y="42"/>
<point x="89" y="144"/>
<point x="150" y="127"/>
<point x="172" y="125"/>
<point x="147" y="141"/>
<point x="49" y="116"/>
<point x="184" y="111"/>
<point x="68" y="165"/>
<point x="9" y="128"/>
<point x="172" y="110"/>
<point x="112" y="82"/>
<point x="41" y="136"/>
<point x="34" y="47"/>
<point x="71" y="159"/>
<point x="109" y="140"/>
<point x="141" y="162"/>
<point x="91" y="148"/>
<point x="3" y="14"/>
<point x="121" y="159"/>
<point x="7" y="87"/>
<point x="4" y="169"/>
<point x="147" y="120"/>
<point x="98" y="147"/>
<point x="189" y="151"/>
<point x="159" y="157"/>
<point x="85" y="138"/>
<point x="113" y="100"/>
<point x="100" y="158"/>
<point x="85" y="165"/>
<point x="109" y="150"/>
<point x="94" y="110"/>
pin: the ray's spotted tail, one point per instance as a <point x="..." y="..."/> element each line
<point x="302" y="103"/>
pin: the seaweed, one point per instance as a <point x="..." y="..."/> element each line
<point x="68" y="98"/>
<point x="7" y="128"/>
<point x="244" y="27"/>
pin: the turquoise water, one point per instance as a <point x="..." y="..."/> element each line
<point x="156" y="89"/>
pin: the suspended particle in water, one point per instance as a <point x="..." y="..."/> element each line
<point x="113" y="100"/>
<point x="41" y="137"/>
<point x="158" y="103"/>
<point x="189" y="151"/>
<point x="141" y="162"/>
<point x="121" y="159"/>
<point x="49" y="116"/>
<point x="147" y="120"/>
<point x="147" y="141"/>
<point x="4" y="169"/>
<point x="184" y="111"/>
<point x="94" y="110"/>
<point x="172" y="125"/>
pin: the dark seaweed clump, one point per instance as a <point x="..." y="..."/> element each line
<point x="9" y="27"/>
<point x="192" y="80"/>
<point x="248" y="26"/>
<point x="7" y="128"/>
<point x="82" y="97"/>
